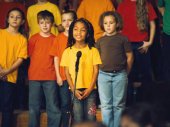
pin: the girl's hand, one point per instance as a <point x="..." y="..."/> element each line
<point x="86" y="93"/>
<point x="59" y="81"/>
<point x="3" y="73"/>
<point x="79" y="94"/>
<point x="144" y="47"/>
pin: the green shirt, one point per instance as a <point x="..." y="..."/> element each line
<point x="166" y="17"/>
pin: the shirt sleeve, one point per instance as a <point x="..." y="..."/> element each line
<point x="161" y="3"/>
<point x="96" y="57"/>
<point x="64" y="59"/>
<point x="151" y="12"/>
<point x="57" y="16"/>
<point x="31" y="45"/>
<point x="23" y="49"/>
<point x="81" y="10"/>
<point x="55" y="48"/>
<point x="127" y="45"/>
<point x="110" y="6"/>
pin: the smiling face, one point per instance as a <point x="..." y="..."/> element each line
<point x="45" y="25"/>
<point x="109" y="25"/>
<point x="79" y="32"/>
<point x="15" y="19"/>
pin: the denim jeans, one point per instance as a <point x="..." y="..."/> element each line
<point x="7" y="103"/>
<point x="85" y="110"/>
<point x="52" y="103"/>
<point x="112" y="92"/>
<point x="166" y="57"/>
<point x="65" y="102"/>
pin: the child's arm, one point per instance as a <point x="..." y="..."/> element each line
<point x="147" y="44"/>
<point x="56" y="64"/>
<point x="161" y="10"/>
<point x="5" y="72"/>
<point x="130" y="59"/>
<point x="78" y="93"/>
<point x="87" y="92"/>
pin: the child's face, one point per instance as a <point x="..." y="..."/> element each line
<point x="67" y="19"/>
<point x="79" y="32"/>
<point x="127" y="122"/>
<point x="45" y="25"/>
<point x="109" y="25"/>
<point x="15" y="19"/>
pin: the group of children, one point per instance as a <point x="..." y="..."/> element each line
<point x="53" y="59"/>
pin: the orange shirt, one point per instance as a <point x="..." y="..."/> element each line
<point x="41" y="62"/>
<point x="91" y="10"/>
<point x="59" y="45"/>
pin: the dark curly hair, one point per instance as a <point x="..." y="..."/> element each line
<point x="89" y="40"/>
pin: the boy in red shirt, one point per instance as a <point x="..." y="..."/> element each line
<point x="41" y="73"/>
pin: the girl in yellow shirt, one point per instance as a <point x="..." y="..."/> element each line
<point x="13" y="51"/>
<point x="81" y="39"/>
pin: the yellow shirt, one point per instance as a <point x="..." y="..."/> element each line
<point x="89" y="58"/>
<point x="13" y="46"/>
<point x="32" y="17"/>
<point x="91" y="10"/>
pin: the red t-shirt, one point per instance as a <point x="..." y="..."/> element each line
<point x="5" y="7"/>
<point x="127" y="9"/>
<point x="41" y="62"/>
<point x="59" y="45"/>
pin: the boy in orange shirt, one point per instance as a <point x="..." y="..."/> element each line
<point x="41" y="73"/>
<point x="60" y="44"/>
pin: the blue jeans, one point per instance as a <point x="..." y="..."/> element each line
<point x="7" y="103"/>
<point x="52" y="103"/>
<point x="112" y="92"/>
<point x="65" y="102"/>
<point x="85" y="110"/>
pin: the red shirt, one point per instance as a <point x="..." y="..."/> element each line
<point x="5" y="7"/>
<point x="41" y="62"/>
<point x="127" y="10"/>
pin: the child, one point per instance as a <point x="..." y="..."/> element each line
<point x="13" y="51"/>
<point x="41" y="73"/>
<point x="140" y="115"/>
<point x="81" y="38"/>
<point x="60" y="44"/>
<point x="137" y="16"/>
<point x="117" y="58"/>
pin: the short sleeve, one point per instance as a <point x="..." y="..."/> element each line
<point x="57" y="16"/>
<point x="64" y="59"/>
<point x="161" y="3"/>
<point x="31" y="45"/>
<point x="110" y="6"/>
<point x="55" y="48"/>
<point x="23" y="49"/>
<point x="127" y="45"/>
<point x="96" y="57"/>
<point x="81" y="10"/>
<point x="151" y="12"/>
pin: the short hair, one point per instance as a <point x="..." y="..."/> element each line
<point x="89" y="124"/>
<point x="73" y="13"/>
<point x="117" y="17"/>
<point x="45" y="15"/>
